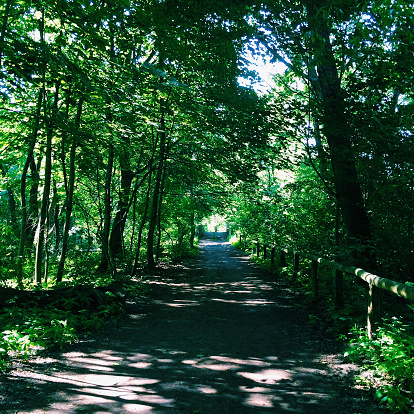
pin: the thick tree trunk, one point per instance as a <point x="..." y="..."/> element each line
<point x="117" y="234"/>
<point x="338" y="135"/>
<point x="69" y="195"/>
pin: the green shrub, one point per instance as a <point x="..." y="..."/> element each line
<point x="27" y="328"/>
<point x="389" y="355"/>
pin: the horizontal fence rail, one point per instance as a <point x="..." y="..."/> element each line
<point x="376" y="283"/>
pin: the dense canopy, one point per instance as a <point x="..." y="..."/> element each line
<point x="125" y="124"/>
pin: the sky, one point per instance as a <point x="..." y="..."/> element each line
<point x="260" y="62"/>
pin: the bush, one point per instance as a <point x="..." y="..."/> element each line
<point x="27" y="327"/>
<point x="389" y="355"/>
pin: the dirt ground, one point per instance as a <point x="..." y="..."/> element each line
<point x="217" y="335"/>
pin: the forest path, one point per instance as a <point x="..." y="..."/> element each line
<point x="217" y="336"/>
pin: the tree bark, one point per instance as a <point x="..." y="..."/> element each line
<point x="192" y="228"/>
<point x="338" y="136"/>
<point x="12" y="204"/>
<point x="155" y="196"/>
<point x="143" y="221"/>
<point x="105" y="259"/>
<point x="69" y="195"/>
<point x="158" y="249"/>
<point x="24" y="221"/>
<point x="4" y="26"/>
<point x="117" y="234"/>
<point x="44" y="208"/>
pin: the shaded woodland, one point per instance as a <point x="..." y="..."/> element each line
<point x="125" y="124"/>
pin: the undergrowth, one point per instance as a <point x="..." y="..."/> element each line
<point x="389" y="358"/>
<point x="26" y="327"/>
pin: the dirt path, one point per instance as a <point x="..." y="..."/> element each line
<point x="216" y="337"/>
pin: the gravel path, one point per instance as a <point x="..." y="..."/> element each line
<point x="216" y="336"/>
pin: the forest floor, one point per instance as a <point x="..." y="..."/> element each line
<point x="216" y="335"/>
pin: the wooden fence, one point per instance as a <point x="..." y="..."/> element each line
<point x="376" y="283"/>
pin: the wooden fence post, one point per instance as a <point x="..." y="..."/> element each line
<point x="272" y="255"/>
<point x="265" y="251"/>
<point x="315" y="283"/>
<point x="374" y="309"/>
<point x="338" y="290"/>
<point x="296" y="264"/>
<point x="282" y="258"/>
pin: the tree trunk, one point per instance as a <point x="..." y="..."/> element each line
<point x="12" y="204"/>
<point x="155" y="196"/>
<point x="143" y="221"/>
<point x="158" y="249"/>
<point x="69" y="195"/>
<point x="44" y="208"/>
<point x="105" y="260"/>
<point x="192" y="228"/>
<point x="46" y="189"/>
<point x="117" y="233"/>
<point x="4" y="26"/>
<point x="33" y="199"/>
<point x="338" y="135"/>
<point x="24" y="221"/>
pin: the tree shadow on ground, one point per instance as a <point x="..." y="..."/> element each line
<point x="216" y="337"/>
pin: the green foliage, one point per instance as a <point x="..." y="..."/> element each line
<point x="28" y="328"/>
<point x="289" y="209"/>
<point x="389" y="355"/>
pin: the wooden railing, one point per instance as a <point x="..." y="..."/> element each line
<point x="376" y="283"/>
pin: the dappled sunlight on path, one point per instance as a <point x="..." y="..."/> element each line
<point x="217" y="336"/>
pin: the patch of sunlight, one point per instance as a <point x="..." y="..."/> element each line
<point x="103" y="392"/>
<point x="209" y="364"/>
<point x="130" y="382"/>
<point x="267" y="376"/>
<point x="141" y="357"/>
<point x="226" y="301"/>
<point x="140" y="365"/>
<point x="256" y="302"/>
<point x="156" y="400"/>
<point x="165" y="361"/>
<point x="310" y="370"/>
<point x="111" y="380"/>
<point x="259" y="400"/>
<point x="98" y="364"/>
<point x="206" y="390"/>
<point x="107" y="354"/>
<point x="182" y="303"/>
<point x="251" y="361"/>
<point x="136" y="408"/>
<point x="137" y="390"/>
<point x="74" y="354"/>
